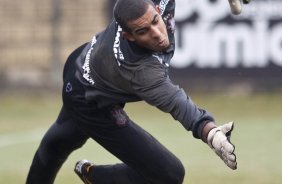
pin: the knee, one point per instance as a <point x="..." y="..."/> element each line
<point x="177" y="175"/>
<point x="59" y="148"/>
<point x="174" y="174"/>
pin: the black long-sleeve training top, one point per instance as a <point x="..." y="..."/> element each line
<point x="114" y="70"/>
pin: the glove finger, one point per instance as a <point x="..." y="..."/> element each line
<point x="230" y="163"/>
<point x="227" y="128"/>
<point x="227" y="147"/>
<point x="230" y="157"/>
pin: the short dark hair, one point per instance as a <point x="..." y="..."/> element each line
<point x="129" y="10"/>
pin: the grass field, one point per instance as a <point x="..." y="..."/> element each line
<point x="257" y="136"/>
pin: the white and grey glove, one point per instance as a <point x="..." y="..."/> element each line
<point x="219" y="140"/>
<point x="236" y="7"/>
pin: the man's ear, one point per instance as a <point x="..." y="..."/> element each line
<point x="128" y="36"/>
<point x="158" y="9"/>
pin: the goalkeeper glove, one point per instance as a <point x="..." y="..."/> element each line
<point x="219" y="140"/>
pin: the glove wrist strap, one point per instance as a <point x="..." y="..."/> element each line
<point x="207" y="128"/>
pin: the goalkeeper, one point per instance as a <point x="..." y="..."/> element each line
<point x="126" y="62"/>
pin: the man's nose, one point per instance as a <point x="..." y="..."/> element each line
<point x="156" y="33"/>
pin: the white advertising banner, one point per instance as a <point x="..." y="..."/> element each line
<point x="209" y="36"/>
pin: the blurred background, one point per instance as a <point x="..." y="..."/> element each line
<point x="229" y="65"/>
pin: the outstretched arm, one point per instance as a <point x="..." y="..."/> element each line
<point x="152" y="84"/>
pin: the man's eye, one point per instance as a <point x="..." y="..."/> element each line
<point x="141" y="32"/>
<point x="156" y="22"/>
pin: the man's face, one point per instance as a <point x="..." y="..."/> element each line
<point x="149" y="31"/>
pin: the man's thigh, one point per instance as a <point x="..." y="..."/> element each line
<point x="62" y="137"/>
<point x="136" y="148"/>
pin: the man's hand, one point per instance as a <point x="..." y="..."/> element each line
<point x="219" y="140"/>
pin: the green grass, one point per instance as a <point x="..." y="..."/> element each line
<point x="257" y="136"/>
